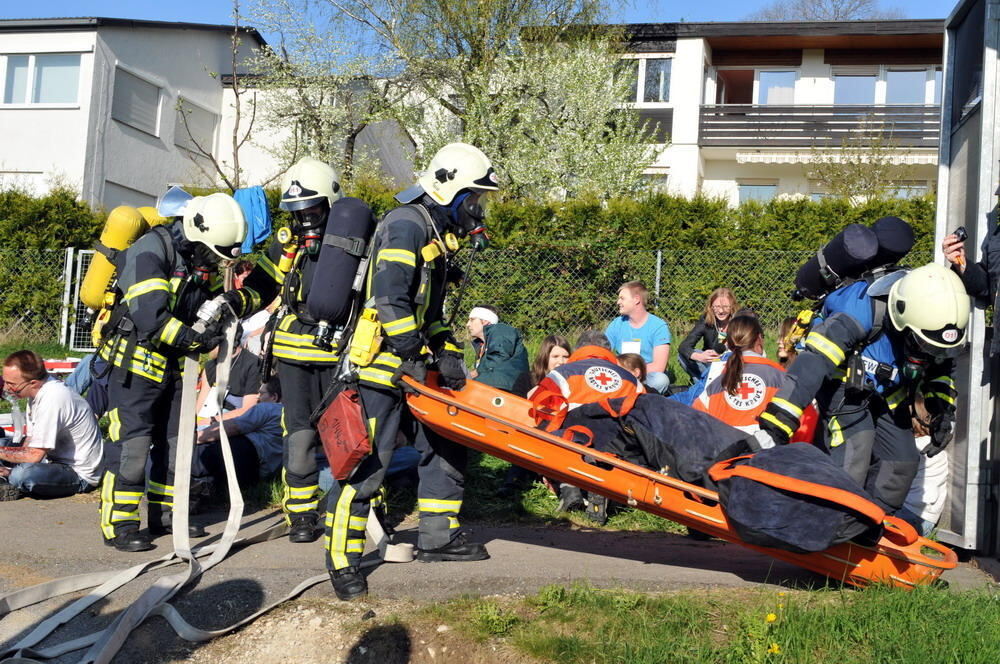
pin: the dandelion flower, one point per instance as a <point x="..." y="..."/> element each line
<point x="771" y="617"/>
<point x="775" y="649"/>
<point x="782" y="593"/>
<point x="781" y="606"/>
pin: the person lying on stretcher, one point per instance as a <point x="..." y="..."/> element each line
<point x="590" y="391"/>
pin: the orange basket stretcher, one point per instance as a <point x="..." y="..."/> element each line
<point x="498" y="423"/>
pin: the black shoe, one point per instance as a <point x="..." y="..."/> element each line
<point x="349" y="583"/>
<point x="458" y="550"/>
<point x="570" y="498"/>
<point x="597" y="508"/>
<point x="698" y="536"/>
<point x="506" y="491"/>
<point x="303" y="529"/>
<point x="131" y="541"/>
<point x="194" y="530"/>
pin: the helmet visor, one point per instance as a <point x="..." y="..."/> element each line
<point x="301" y="203"/>
<point x="943" y="344"/>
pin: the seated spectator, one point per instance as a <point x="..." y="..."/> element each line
<point x="591" y="375"/>
<point x="500" y="354"/>
<point x="254" y="438"/>
<point x="635" y="364"/>
<point x="552" y="353"/>
<point x="710" y="332"/>
<point x="737" y="391"/>
<point x="636" y="330"/>
<point x="90" y="380"/>
<point x="241" y="392"/>
<point x="787" y="348"/>
<point x="61" y="454"/>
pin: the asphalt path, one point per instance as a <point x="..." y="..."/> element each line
<point x="44" y="540"/>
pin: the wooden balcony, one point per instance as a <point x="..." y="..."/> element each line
<point x="746" y="125"/>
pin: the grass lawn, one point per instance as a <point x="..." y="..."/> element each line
<point x="872" y="626"/>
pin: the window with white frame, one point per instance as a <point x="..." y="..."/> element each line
<point x="649" y="79"/>
<point x="886" y="85"/>
<point x="194" y="128"/>
<point x="776" y="87"/>
<point x="43" y="78"/>
<point x="136" y="102"/>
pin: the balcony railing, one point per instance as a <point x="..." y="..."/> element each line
<point x="745" y="125"/>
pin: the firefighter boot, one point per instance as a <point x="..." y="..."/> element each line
<point x="349" y="583"/>
<point x="458" y="550"/>
<point x="302" y="529"/>
<point x="131" y="541"/>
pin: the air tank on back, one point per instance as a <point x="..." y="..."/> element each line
<point x="349" y="228"/>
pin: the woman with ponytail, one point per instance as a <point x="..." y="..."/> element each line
<point x="737" y="390"/>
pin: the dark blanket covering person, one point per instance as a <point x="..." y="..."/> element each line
<point x="661" y="434"/>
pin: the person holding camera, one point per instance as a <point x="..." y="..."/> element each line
<point x="980" y="279"/>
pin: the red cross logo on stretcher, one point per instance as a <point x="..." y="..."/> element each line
<point x="602" y="379"/>
<point x="750" y="393"/>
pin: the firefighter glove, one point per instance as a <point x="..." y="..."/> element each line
<point x="416" y="369"/>
<point x="451" y="364"/>
<point x="942" y="433"/>
<point x="207" y="340"/>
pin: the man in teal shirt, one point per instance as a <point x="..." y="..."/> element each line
<point x="638" y="331"/>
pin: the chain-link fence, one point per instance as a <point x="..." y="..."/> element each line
<point x="539" y="291"/>
<point x="33" y="290"/>
<point x="563" y="291"/>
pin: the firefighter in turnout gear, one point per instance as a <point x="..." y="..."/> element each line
<point x="309" y="190"/>
<point x="164" y="278"/>
<point x="405" y="290"/>
<point x="879" y="343"/>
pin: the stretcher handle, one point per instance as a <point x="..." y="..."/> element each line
<point x="727" y="469"/>
<point x="900" y="531"/>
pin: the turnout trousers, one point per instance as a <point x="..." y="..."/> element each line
<point x="873" y="443"/>
<point x="439" y="495"/>
<point x="144" y="417"/>
<point x="303" y="387"/>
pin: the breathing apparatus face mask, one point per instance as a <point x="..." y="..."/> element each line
<point x="467" y="218"/>
<point x="308" y="225"/>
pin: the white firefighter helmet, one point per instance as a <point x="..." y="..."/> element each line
<point x="217" y="222"/>
<point x="307" y="182"/>
<point x="456" y="167"/>
<point x="931" y="303"/>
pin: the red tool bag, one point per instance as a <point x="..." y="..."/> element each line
<point x="342" y="430"/>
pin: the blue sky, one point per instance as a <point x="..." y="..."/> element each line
<point x="219" y="11"/>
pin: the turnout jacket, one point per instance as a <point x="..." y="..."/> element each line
<point x="295" y="331"/>
<point x="821" y="370"/>
<point x="158" y="300"/>
<point x="406" y="283"/>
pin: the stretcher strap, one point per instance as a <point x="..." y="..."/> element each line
<point x="628" y="403"/>
<point x="727" y="469"/>
<point x="570" y="434"/>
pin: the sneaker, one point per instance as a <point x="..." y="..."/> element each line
<point x="131" y="541"/>
<point x="303" y="529"/>
<point x="349" y="583"/>
<point x="8" y="491"/>
<point x="597" y="508"/>
<point x="570" y="498"/>
<point x="458" y="550"/>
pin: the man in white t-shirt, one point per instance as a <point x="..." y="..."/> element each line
<point x="62" y="452"/>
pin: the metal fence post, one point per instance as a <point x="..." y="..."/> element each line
<point x="659" y="271"/>
<point x="67" y="291"/>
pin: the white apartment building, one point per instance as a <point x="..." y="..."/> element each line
<point x="745" y="105"/>
<point x="95" y="103"/>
